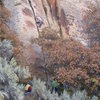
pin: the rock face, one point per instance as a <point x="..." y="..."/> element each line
<point x="64" y="16"/>
<point x="22" y="20"/>
<point x="75" y="11"/>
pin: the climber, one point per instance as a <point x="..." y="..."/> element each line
<point x="28" y="88"/>
<point x="54" y="86"/>
<point x="39" y="21"/>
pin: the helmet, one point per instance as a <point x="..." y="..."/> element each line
<point x="30" y="83"/>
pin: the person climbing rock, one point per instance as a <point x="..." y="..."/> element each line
<point x="28" y="88"/>
<point x="39" y="21"/>
<point x="54" y="86"/>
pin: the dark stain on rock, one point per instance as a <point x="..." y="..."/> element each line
<point x="17" y="4"/>
<point x="54" y="9"/>
<point x="27" y="12"/>
<point x="29" y="23"/>
<point x="63" y="20"/>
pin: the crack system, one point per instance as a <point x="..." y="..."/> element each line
<point x="45" y="10"/>
<point x="34" y="15"/>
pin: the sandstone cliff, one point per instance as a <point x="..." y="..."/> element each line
<point x="64" y="16"/>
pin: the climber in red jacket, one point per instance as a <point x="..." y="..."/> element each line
<point x="28" y="88"/>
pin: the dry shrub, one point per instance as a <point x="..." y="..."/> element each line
<point x="4" y="16"/>
<point x="72" y="76"/>
<point x="81" y="63"/>
<point x="48" y="33"/>
<point x="4" y="12"/>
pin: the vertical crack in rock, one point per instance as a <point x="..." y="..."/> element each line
<point x="54" y="9"/>
<point x="45" y="10"/>
<point x="63" y="24"/>
<point x="63" y="21"/>
<point x="58" y="17"/>
<point x="34" y="15"/>
<point x="49" y="4"/>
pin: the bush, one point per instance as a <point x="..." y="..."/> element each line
<point x="40" y="92"/>
<point x="81" y="64"/>
<point x="10" y="73"/>
<point x="8" y="81"/>
<point x="9" y="77"/>
<point x="6" y="49"/>
<point x="49" y="34"/>
<point x="13" y="91"/>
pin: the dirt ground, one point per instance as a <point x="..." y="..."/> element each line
<point x="29" y="98"/>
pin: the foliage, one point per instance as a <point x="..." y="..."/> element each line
<point x="3" y="95"/>
<point x="78" y="95"/>
<point x="10" y="88"/>
<point x="48" y="33"/>
<point x="40" y="92"/>
<point x="6" y="49"/>
<point x="8" y="79"/>
<point x="10" y="74"/>
<point x="78" y="64"/>
<point x="22" y="72"/>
